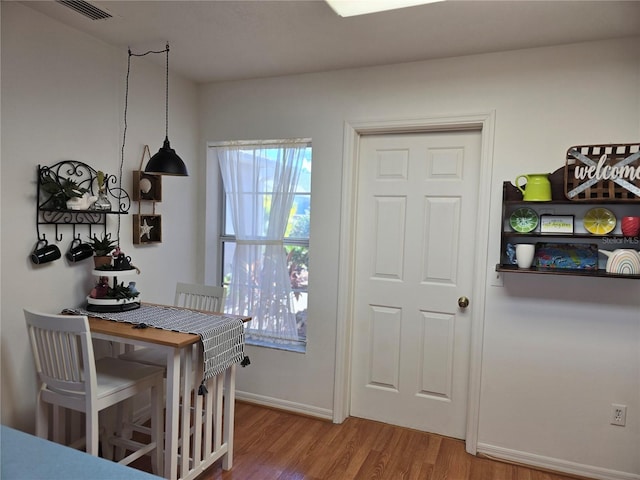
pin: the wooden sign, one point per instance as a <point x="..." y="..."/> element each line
<point x="603" y="173"/>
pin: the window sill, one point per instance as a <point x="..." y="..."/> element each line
<point x="300" y="347"/>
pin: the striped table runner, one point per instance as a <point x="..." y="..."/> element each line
<point x="222" y="336"/>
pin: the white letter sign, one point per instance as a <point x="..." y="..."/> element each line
<point x="603" y="172"/>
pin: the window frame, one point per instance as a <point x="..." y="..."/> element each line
<point x="223" y="237"/>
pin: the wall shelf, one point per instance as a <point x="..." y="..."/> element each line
<point x="559" y="205"/>
<point x="51" y="201"/>
<point x="600" y="273"/>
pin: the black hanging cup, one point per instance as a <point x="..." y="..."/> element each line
<point x="45" y="253"/>
<point x="79" y="251"/>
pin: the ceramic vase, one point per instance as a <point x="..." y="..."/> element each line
<point x="630" y="226"/>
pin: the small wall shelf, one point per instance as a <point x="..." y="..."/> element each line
<point x="600" y="273"/>
<point x="51" y="208"/>
<point x="147" y="190"/>
<point x="559" y="205"/>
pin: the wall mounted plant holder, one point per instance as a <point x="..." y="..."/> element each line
<point x="66" y="195"/>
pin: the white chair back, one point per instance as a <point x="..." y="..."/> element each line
<point x="199" y="297"/>
<point x="61" y="346"/>
<point x="71" y="378"/>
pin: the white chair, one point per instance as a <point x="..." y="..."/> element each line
<point x="199" y="297"/>
<point x="70" y="377"/>
<point x="188" y="295"/>
<point x="207" y="298"/>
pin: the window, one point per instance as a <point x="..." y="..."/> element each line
<point x="265" y="237"/>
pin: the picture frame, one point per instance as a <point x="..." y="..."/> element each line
<point x="556" y="223"/>
<point x="146" y="187"/>
<point x="147" y="229"/>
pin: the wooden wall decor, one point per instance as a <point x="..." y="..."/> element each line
<point x="147" y="190"/>
<point x="603" y="173"/>
<point x="146" y="187"/>
<point x="147" y="229"/>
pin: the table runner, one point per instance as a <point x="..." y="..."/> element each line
<point x="222" y="336"/>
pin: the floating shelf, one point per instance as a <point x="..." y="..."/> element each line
<point x="562" y="271"/>
<point x="560" y="205"/>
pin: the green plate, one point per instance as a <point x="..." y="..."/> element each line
<point x="524" y="220"/>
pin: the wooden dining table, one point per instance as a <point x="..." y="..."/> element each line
<point x="188" y="451"/>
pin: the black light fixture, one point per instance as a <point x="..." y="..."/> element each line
<point x="166" y="161"/>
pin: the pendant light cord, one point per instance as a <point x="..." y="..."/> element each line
<point x="126" y="107"/>
<point x="166" y="87"/>
<point x="166" y="97"/>
<point x="124" y="138"/>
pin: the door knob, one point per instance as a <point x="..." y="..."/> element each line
<point x="463" y="302"/>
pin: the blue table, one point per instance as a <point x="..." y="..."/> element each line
<point x="24" y="456"/>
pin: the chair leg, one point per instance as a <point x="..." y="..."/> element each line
<point x="92" y="430"/>
<point x="42" y="418"/>
<point x="122" y="429"/>
<point x="59" y="425"/>
<point x="106" y="431"/>
<point x="157" y="429"/>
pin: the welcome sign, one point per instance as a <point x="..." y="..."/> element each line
<point x="603" y="172"/>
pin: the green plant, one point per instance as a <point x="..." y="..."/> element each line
<point x="61" y="190"/>
<point x="100" y="179"/>
<point x="121" y="292"/>
<point x="102" y="246"/>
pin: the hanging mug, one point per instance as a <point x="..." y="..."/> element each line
<point x="45" y="253"/>
<point x="537" y="189"/>
<point x="79" y="251"/>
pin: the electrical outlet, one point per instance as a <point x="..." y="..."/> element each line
<point x="618" y="414"/>
<point x="497" y="279"/>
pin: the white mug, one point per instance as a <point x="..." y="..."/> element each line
<point x="524" y="254"/>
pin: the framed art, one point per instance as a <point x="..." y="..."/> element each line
<point x="146" y="187"/>
<point x="147" y="229"/>
<point x="556" y="223"/>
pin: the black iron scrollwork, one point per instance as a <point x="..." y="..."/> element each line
<point x="70" y="179"/>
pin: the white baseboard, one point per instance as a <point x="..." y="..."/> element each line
<point x="323" y="413"/>
<point x="554" y="464"/>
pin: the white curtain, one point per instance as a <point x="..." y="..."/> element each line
<point x="260" y="181"/>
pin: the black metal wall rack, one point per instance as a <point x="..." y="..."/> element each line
<point x="52" y="182"/>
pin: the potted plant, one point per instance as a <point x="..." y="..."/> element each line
<point x="102" y="202"/>
<point x="61" y="190"/>
<point x="102" y="248"/>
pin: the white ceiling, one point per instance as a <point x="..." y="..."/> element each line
<point x="219" y="40"/>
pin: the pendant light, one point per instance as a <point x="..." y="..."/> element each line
<point x="166" y="161"/>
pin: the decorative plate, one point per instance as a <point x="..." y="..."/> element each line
<point x="523" y="220"/>
<point x="599" y="221"/>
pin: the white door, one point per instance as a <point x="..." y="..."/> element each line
<point x="416" y="208"/>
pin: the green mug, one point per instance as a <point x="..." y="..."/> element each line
<point x="537" y="189"/>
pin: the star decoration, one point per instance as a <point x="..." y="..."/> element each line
<point x="145" y="229"/>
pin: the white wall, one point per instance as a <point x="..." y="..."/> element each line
<point x="63" y="98"/>
<point x="557" y="351"/>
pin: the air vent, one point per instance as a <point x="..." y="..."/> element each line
<point x="86" y="9"/>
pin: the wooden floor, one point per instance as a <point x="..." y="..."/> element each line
<point x="275" y="445"/>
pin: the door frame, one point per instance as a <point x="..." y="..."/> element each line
<point x="353" y="130"/>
